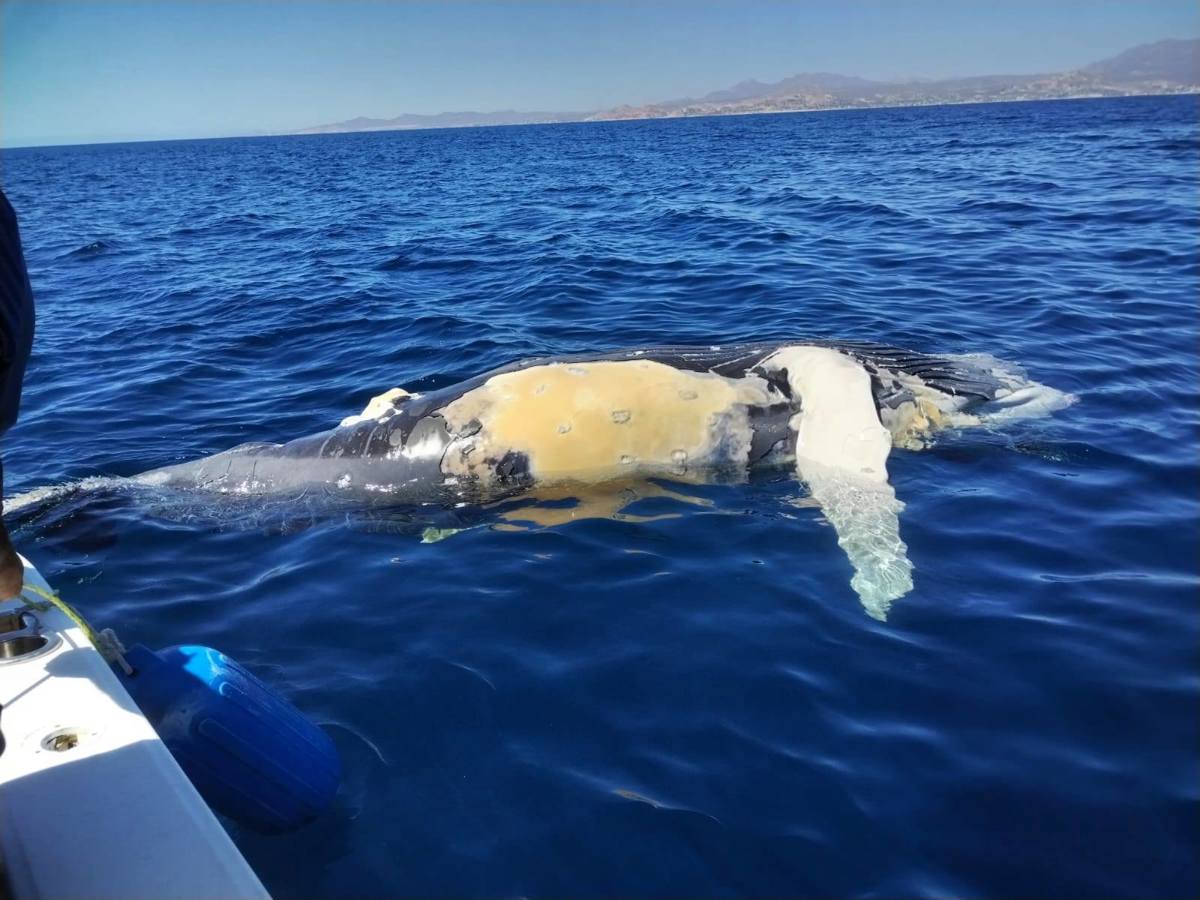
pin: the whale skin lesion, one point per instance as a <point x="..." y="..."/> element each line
<point x="585" y="422"/>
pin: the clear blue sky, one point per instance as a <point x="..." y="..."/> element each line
<point x="79" y="72"/>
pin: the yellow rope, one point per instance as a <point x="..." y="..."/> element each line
<point x="52" y="599"/>
<point x="106" y="642"/>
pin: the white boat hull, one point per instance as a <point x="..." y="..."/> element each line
<point x="92" y="804"/>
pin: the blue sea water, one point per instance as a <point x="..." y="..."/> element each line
<point x="693" y="702"/>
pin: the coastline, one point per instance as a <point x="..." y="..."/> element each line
<point x="307" y="133"/>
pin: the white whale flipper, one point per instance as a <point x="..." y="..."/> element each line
<point x="865" y="516"/>
<point x="841" y="453"/>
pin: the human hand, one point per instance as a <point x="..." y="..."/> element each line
<point x="12" y="572"/>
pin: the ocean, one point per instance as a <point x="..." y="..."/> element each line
<point x="686" y="698"/>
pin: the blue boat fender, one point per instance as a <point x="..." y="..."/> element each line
<point x="250" y="753"/>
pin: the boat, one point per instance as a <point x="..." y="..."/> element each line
<point x="93" y="802"/>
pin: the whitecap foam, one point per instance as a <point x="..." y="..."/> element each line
<point x="54" y="493"/>
<point x="1021" y="397"/>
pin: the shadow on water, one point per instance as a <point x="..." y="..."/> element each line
<point x="88" y="516"/>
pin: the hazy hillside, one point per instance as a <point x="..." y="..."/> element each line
<point x="1173" y="61"/>
<point x="444" y="120"/>
<point x="1165" y="67"/>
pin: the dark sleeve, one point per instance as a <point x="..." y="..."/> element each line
<point x="16" y="315"/>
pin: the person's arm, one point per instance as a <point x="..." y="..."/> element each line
<point x="12" y="573"/>
<point x="16" y="337"/>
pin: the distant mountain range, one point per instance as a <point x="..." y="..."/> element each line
<point x="444" y="120"/>
<point x="1165" y="67"/>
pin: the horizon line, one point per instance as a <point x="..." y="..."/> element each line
<point x="1191" y="92"/>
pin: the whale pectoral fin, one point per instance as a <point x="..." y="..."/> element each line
<point x="379" y="405"/>
<point x="841" y="452"/>
<point x="865" y="515"/>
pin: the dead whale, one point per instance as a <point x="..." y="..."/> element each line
<point x="831" y="410"/>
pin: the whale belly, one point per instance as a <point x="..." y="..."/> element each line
<point x="588" y="421"/>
